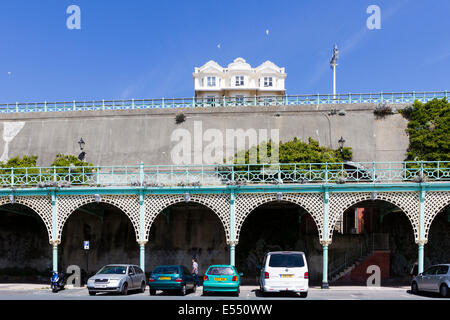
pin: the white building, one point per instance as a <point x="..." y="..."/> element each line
<point x="238" y="80"/>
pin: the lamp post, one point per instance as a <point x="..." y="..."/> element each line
<point x="81" y="143"/>
<point x="333" y="64"/>
<point x="341" y="143"/>
<point x="82" y="155"/>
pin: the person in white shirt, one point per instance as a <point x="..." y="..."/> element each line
<point x="195" y="271"/>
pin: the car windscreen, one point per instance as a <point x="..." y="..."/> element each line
<point x="166" y="270"/>
<point x="223" y="271"/>
<point x="286" y="260"/>
<point x="113" y="270"/>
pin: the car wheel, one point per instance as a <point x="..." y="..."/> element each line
<point x="236" y="294"/>
<point x="152" y="292"/>
<point x="443" y="290"/>
<point x="303" y="294"/>
<point x="92" y="293"/>
<point x="143" y="287"/>
<point x="414" y="288"/>
<point x="124" y="290"/>
<point x="183" y="290"/>
<point x="204" y="293"/>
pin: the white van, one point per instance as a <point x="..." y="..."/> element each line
<point x="284" y="271"/>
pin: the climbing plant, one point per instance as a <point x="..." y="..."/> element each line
<point x="296" y="151"/>
<point x="17" y="163"/>
<point x="428" y="130"/>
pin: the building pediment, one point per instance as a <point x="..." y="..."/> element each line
<point x="210" y="67"/>
<point x="239" y="64"/>
<point x="269" y="67"/>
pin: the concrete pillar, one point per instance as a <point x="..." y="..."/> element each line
<point x="232" y="254"/>
<point x="141" y="240"/>
<point x="232" y="229"/>
<point x="420" y="262"/>
<point x="54" y="242"/>
<point x="422" y="239"/>
<point x="55" y="257"/>
<point x="142" y="256"/>
<point x="325" y="242"/>
<point x="325" y="267"/>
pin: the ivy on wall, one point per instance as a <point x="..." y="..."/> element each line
<point x="428" y="130"/>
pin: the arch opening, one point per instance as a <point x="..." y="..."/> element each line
<point x="111" y="235"/>
<point x="25" y="253"/>
<point x="372" y="232"/>
<point x="437" y="249"/>
<point x="185" y="230"/>
<point x="275" y="226"/>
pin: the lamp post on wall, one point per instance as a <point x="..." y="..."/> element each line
<point x="341" y="143"/>
<point x="82" y="155"/>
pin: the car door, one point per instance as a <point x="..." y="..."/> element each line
<point x="139" y="275"/>
<point x="132" y="275"/>
<point x="261" y="273"/>
<point x="427" y="280"/>
<point x="441" y="273"/>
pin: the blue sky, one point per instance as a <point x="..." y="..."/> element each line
<point x="148" y="49"/>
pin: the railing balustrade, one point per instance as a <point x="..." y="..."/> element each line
<point x="258" y="101"/>
<point x="228" y="174"/>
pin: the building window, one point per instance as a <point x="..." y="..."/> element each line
<point x="267" y="81"/>
<point x="210" y="100"/>
<point x="211" y="81"/>
<point x="239" y="100"/>
<point x="239" y="81"/>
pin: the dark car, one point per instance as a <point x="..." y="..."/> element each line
<point x="174" y="278"/>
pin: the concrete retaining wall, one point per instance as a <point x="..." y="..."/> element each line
<point x="127" y="137"/>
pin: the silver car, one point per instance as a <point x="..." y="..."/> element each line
<point x="117" y="278"/>
<point x="434" y="279"/>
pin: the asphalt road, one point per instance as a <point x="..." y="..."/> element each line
<point x="36" y="292"/>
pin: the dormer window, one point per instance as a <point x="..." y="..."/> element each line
<point x="267" y="81"/>
<point x="211" y="81"/>
<point x="239" y="81"/>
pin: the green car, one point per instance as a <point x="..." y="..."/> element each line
<point x="175" y="278"/>
<point x="222" y="278"/>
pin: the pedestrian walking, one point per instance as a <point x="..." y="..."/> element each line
<point x="414" y="270"/>
<point x="195" y="271"/>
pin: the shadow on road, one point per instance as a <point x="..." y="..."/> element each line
<point x="426" y="294"/>
<point x="287" y="294"/>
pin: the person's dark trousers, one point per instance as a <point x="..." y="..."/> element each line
<point x="196" y="280"/>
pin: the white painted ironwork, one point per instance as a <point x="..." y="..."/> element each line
<point x="408" y="202"/>
<point x="218" y="203"/>
<point x="435" y="202"/>
<point x="311" y="202"/>
<point x="40" y="204"/>
<point x="129" y="204"/>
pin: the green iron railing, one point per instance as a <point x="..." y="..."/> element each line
<point x="287" y="100"/>
<point x="229" y="174"/>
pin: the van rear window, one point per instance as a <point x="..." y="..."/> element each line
<point x="286" y="260"/>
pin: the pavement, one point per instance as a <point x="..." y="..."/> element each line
<point x="42" y="292"/>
